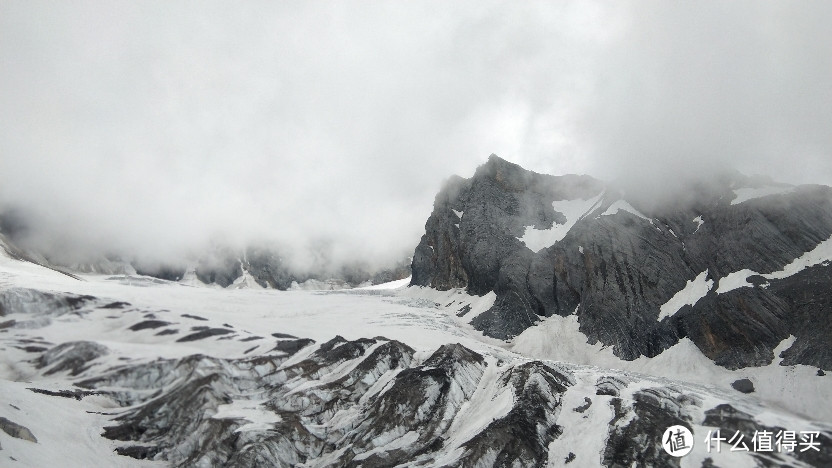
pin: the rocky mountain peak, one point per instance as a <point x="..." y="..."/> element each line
<point x="722" y="264"/>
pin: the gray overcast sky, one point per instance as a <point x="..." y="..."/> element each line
<point x="155" y="126"/>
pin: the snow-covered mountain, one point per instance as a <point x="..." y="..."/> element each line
<point x="549" y="321"/>
<point x="736" y="266"/>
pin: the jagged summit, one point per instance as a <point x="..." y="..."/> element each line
<point x="722" y="266"/>
<point x="513" y="177"/>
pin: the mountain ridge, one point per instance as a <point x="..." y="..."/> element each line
<point x="616" y="267"/>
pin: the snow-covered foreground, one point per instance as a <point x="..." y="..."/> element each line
<point x="318" y="315"/>
<point x="794" y="389"/>
<point x="119" y="351"/>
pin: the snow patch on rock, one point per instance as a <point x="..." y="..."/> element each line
<point x="821" y="253"/>
<point x="694" y="290"/>
<point x="745" y="194"/>
<point x="699" y="222"/>
<point x="573" y="210"/>
<point x="622" y="205"/>
<point x="734" y="280"/>
<point x="739" y="279"/>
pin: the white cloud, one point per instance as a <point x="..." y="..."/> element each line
<point x="154" y="126"/>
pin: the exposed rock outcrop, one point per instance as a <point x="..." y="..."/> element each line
<point x="377" y="403"/>
<point x="639" y="274"/>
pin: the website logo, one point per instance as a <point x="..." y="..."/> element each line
<point x="677" y="441"/>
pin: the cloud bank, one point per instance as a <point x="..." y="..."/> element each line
<point x="155" y="128"/>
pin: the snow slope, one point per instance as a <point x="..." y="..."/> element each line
<point x="56" y="330"/>
<point x="694" y="290"/>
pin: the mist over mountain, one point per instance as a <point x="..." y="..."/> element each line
<point x="156" y="129"/>
<point x="270" y="234"/>
<point x="543" y="319"/>
<point x="735" y="264"/>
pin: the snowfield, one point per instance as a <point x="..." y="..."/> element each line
<point x="750" y="193"/>
<point x="572" y="210"/>
<point x="134" y="322"/>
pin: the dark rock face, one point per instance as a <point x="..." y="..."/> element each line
<point x="16" y="430"/>
<point x="206" y="333"/>
<point x="165" y="272"/>
<point x="634" y="444"/>
<point x="145" y="324"/>
<point x="624" y="257"/>
<point x="743" y="385"/>
<point x="608" y="385"/>
<point x="76" y="394"/>
<point x="292" y="346"/>
<point x="808" y="297"/>
<point x="320" y="414"/>
<point x="32" y="302"/>
<point x="73" y="356"/>
<point x="522" y="437"/>
<point x="222" y="273"/>
<point x="497" y="203"/>
<point x="268" y="268"/>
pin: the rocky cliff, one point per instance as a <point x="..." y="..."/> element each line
<point x="735" y="264"/>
